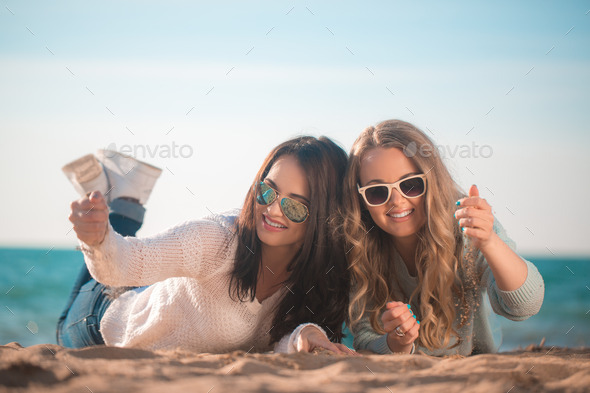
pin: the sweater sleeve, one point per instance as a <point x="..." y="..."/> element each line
<point x="192" y="249"/>
<point x="365" y="338"/>
<point x="521" y="303"/>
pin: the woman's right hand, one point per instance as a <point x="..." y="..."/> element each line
<point x="90" y="216"/>
<point x="311" y="338"/>
<point x="401" y="326"/>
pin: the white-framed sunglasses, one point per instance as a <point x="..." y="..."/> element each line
<point x="379" y="194"/>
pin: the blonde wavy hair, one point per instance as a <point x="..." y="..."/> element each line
<point x="439" y="251"/>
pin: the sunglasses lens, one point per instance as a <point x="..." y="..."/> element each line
<point x="264" y="194"/>
<point x="412" y="187"/>
<point x="376" y="195"/>
<point x="293" y="210"/>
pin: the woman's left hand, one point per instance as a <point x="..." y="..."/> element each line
<point x="477" y="222"/>
<point x="475" y="218"/>
<point x="311" y="338"/>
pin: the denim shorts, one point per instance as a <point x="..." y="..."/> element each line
<point x="80" y="326"/>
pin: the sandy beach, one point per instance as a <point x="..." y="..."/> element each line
<point x="51" y="368"/>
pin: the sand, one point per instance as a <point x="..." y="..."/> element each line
<point x="51" y="368"/>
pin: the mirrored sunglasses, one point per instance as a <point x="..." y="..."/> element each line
<point x="292" y="209"/>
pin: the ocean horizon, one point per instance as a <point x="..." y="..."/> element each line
<point x="35" y="284"/>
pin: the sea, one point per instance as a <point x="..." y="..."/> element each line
<point x="35" y="284"/>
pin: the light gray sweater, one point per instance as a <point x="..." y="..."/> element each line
<point x="476" y="334"/>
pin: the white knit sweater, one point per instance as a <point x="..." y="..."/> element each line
<point x="186" y="303"/>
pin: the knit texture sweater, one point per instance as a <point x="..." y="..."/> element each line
<point x="476" y="334"/>
<point x="186" y="303"/>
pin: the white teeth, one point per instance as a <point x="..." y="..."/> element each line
<point x="403" y="214"/>
<point x="272" y="224"/>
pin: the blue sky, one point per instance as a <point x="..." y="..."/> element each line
<point x="230" y="80"/>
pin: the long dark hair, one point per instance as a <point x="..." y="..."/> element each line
<point x="318" y="284"/>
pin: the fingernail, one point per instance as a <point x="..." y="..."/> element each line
<point x="458" y="203"/>
<point x="418" y="322"/>
<point x="409" y="306"/>
<point x="414" y="316"/>
<point x="462" y="229"/>
<point x="455" y="214"/>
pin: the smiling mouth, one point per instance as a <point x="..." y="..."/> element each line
<point x="272" y="224"/>
<point x="402" y="214"/>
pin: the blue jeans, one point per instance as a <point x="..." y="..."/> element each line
<point x="79" y="324"/>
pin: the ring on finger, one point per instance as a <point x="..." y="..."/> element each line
<point x="398" y="332"/>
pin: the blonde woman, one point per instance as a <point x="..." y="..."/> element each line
<point x="422" y="254"/>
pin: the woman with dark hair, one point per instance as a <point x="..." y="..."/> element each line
<point x="271" y="275"/>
